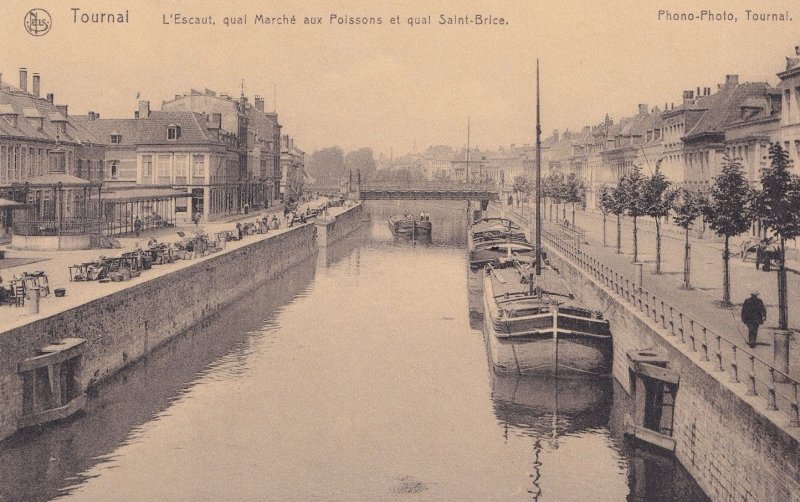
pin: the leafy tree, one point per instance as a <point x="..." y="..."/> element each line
<point x="728" y="212"/>
<point x="618" y="209"/>
<point x="327" y="165"/>
<point x="688" y="206"/>
<point x="657" y="204"/>
<point x="555" y="190"/>
<point x="522" y="185"/>
<point x="362" y="160"/>
<point x="632" y="186"/>
<point x="574" y="191"/>
<point x="778" y="204"/>
<point x="606" y="195"/>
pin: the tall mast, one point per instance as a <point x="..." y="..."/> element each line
<point x="538" y="179"/>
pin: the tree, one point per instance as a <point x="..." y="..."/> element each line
<point x="778" y="204"/>
<point x="606" y="194"/>
<point x="727" y="212"/>
<point x="574" y="191"/>
<point x="522" y="185"/>
<point x="618" y="208"/>
<point x="362" y="160"/>
<point x="688" y="206"/>
<point x="327" y="165"/>
<point x="555" y="190"/>
<point x="632" y="190"/>
<point x="657" y="204"/>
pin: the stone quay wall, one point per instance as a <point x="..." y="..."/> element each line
<point x="126" y="325"/>
<point x="342" y="225"/>
<point x="733" y="446"/>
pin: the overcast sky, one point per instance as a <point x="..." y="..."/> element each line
<point x="393" y="86"/>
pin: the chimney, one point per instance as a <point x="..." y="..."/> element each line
<point x="23" y="79"/>
<point x="144" y="109"/>
<point x="216" y="119"/>
<point x="642" y="109"/>
<point x="36" y="84"/>
<point x="50" y="97"/>
<point x="259" y="103"/>
<point x="731" y="80"/>
<point x="698" y="92"/>
<point x="93" y="115"/>
<point x="688" y="96"/>
<point x="177" y="96"/>
<point x="62" y="109"/>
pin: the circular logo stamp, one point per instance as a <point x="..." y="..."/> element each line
<point x="38" y="22"/>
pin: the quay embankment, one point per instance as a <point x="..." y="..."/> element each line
<point x="105" y="327"/>
<point x="334" y="228"/>
<point x="734" y="423"/>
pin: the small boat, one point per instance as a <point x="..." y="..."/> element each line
<point x="402" y="224"/>
<point x="534" y="325"/>
<point x="490" y="229"/>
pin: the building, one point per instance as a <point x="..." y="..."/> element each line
<point x="48" y="162"/>
<point x="292" y="169"/>
<point x="256" y="135"/>
<point x="165" y="166"/>
<point x="789" y="89"/>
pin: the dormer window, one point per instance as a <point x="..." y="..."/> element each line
<point x="173" y="132"/>
<point x="116" y="138"/>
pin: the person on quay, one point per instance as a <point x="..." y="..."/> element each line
<point x="137" y="226"/>
<point x="239" y="230"/>
<point x="754" y="313"/>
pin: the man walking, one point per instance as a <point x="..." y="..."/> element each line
<point x="754" y="313"/>
<point x="137" y="226"/>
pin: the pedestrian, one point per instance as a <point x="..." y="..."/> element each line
<point x="196" y="218"/>
<point x="137" y="226"/>
<point x="754" y="313"/>
<point x="239" y="230"/>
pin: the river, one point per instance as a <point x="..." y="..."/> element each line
<point x="359" y="375"/>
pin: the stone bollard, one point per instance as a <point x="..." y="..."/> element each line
<point x="32" y="301"/>
<point x="781" y="354"/>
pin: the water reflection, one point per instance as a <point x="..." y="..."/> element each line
<point x="37" y="464"/>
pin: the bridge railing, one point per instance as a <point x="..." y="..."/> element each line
<point x="779" y="390"/>
<point x="430" y="186"/>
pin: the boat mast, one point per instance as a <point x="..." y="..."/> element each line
<point x="538" y="179"/>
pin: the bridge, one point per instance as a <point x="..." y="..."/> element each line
<point x="427" y="191"/>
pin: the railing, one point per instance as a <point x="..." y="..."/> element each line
<point x="779" y="390"/>
<point x="430" y="186"/>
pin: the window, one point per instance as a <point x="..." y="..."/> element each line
<point x="164" y="166"/>
<point x="173" y="132"/>
<point x="116" y="139"/>
<point x="181" y="163"/>
<point x="198" y="166"/>
<point x="147" y="167"/>
<point x="113" y="169"/>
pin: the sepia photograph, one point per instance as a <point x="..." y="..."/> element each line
<point x="352" y="250"/>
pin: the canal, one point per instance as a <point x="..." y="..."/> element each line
<point x="359" y="375"/>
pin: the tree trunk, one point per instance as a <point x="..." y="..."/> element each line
<point x="687" y="249"/>
<point x="783" y="301"/>
<point x="726" y="276"/>
<point x="619" y="235"/>
<point x="564" y="210"/>
<point x="604" y="229"/>
<point x="635" y="242"/>
<point x="658" y="245"/>
<point x="573" y="214"/>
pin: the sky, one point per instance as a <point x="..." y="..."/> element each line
<point x="395" y="88"/>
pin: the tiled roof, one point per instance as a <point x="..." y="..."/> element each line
<point x="724" y="107"/>
<point x="152" y="130"/>
<point x="24" y="104"/>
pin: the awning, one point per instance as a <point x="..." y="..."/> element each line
<point x="141" y="194"/>
<point x="5" y="203"/>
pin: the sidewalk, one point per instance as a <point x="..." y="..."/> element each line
<point x="55" y="264"/>
<point x="703" y="302"/>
